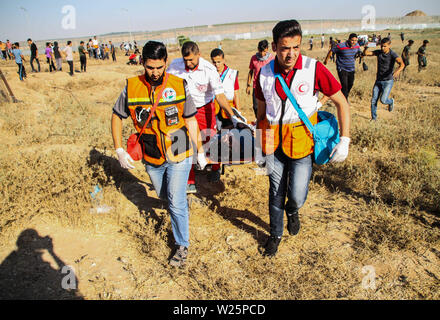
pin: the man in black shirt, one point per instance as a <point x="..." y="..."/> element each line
<point x="112" y="50"/>
<point x="406" y="55"/>
<point x="386" y="58"/>
<point x="421" y="56"/>
<point x="57" y="55"/>
<point x="34" y="55"/>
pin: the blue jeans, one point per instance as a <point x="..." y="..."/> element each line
<point x="382" y="90"/>
<point x="169" y="181"/>
<point x="289" y="177"/>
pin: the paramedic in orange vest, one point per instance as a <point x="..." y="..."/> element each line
<point x="204" y="86"/>
<point x="285" y="140"/>
<point x="166" y="146"/>
<point x="229" y="78"/>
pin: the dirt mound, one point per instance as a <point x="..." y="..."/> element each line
<point x="416" y="13"/>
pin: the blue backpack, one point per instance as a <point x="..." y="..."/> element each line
<point x="325" y="133"/>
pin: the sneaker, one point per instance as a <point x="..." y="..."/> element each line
<point x="179" y="258"/>
<point x="214" y="176"/>
<point x="391" y="106"/>
<point x="271" y="246"/>
<point x="293" y="224"/>
<point x="191" y="188"/>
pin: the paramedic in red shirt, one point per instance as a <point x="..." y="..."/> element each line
<point x="203" y="87"/>
<point x="289" y="153"/>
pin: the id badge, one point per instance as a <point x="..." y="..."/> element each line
<point x="172" y="115"/>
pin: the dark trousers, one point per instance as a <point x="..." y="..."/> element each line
<point x="21" y="71"/>
<point x="83" y="61"/>
<point x="114" y="56"/>
<point x="51" y="64"/>
<point x="4" y="54"/>
<point x="347" y="80"/>
<point x="32" y="63"/>
<point x="71" y="67"/>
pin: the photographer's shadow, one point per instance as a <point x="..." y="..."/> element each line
<point x="24" y="275"/>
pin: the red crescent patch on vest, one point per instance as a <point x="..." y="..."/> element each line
<point x="302" y="89"/>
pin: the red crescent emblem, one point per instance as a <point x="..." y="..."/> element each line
<point x="299" y="89"/>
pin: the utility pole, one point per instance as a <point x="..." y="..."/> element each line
<point x="27" y="21"/>
<point x="129" y="23"/>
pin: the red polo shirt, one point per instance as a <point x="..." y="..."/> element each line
<point x="325" y="82"/>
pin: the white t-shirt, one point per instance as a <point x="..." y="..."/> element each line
<point x="95" y="42"/>
<point x="203" y="83"/>
<point x="69" y="53"/>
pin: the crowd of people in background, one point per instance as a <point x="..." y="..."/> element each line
<point x="343" y="53"/>
<point x="54" y="54"/>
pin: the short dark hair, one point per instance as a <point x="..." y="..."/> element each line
<point x="286" y="28"/>
<point x="411" y="41"/>
<point x="17" y="44"/>
<point x="217" y="52"/>
<point x="56" y="43"/>
<point x="69" y="42"/>
<point x="82" y="42"/>
<point x="29" y="39"/>
<point x="263" y="45"/>
<point x="154" y="50"/>
<point x="425" y="41"/>
<point x="190" y="47"/>
<point x="385" y="40"/>
<point x="352" y="35"/>
<point x="47" y="43"/>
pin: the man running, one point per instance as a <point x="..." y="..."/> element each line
<point x="204" y="87"/>
<point x="406" y="55"/>
<point x="386" y="58"/>
<point x="259" y="60"/>
<point x="289" y="150"/>
<point x="421" y="56"/>
<point x="346" y="54"/>
<point x="229" y="78"/>
<point x="167" y="152"/>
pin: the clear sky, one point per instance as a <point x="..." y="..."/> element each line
<point x="40" y="19"/>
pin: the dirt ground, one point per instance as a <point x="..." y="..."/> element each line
<point x="370" y="226"/>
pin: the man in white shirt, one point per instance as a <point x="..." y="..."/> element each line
<point x="95" y="45"/>
<point x="68" y="53"/>
<point x="203" y="87"/>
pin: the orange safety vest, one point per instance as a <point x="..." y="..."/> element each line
<point x="166" y="137"/>
<point x="282" y="123"/>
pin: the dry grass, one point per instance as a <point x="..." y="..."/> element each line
<point x="380" y="207"/>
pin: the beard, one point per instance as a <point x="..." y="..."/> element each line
<point x="152" y="82"/>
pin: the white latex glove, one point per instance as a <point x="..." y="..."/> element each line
<point x="238" y="122"/>
<point x="260" y="160"/>
<point x="124" y="159"/>
<point x="340" y="152"/>
<point x="201" y="160"/>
